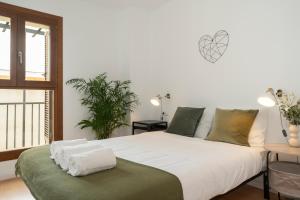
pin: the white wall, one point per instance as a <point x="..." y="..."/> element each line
<point x="263" y="52"/>
<point x="7" y="169"/>
<point x="89" y="48"/>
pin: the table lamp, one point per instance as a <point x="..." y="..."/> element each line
<point x="158" y="101"/>
<point x="268" y="100"/>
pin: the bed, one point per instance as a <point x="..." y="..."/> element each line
<point x="163" y="166"/>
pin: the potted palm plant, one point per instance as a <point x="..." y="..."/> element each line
<point x="108" y="103"/>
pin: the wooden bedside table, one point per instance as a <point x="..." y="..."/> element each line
<point x="284" y="177"/>
<point x="149" y="125"/>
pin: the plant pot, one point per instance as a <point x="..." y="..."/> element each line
<point x="294" y="136"/>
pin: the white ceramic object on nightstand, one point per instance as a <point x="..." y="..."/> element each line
<point x="294" y="136"/>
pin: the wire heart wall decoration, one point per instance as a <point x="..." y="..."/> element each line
<point x="213" y="48"/>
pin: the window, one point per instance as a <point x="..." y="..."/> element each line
<point x="24" y="118"/>
<point x="30" y="79"/>
<point x="5" y="48"/>
<point x="38" y="52"/>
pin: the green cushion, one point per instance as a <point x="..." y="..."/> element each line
<point x="185" y="121"/>
<point x="232" y="126"/>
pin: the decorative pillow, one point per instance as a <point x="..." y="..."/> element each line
<point x="259" y="129"/>
<point x="232" y="126"/>
<point x="205" y="123"/>
<point x="185" y="121"/>
<point x="257" y="133"/>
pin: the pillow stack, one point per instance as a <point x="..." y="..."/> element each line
<point x="235" y="126"/>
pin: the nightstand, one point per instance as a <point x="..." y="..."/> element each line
<point x="149" y="125"/>
<point x="284" y="177"/>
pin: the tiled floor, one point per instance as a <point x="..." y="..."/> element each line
<point x="15" y="189"/>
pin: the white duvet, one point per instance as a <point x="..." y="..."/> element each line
<point x="205" y="169"/>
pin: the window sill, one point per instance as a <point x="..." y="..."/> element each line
<point x="11" y="155"/>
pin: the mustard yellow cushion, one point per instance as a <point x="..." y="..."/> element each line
<point x="232" y="126"/>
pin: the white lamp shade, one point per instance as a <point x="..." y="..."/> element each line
<point x="266" y="101"/>
<point x="155" y="101"/>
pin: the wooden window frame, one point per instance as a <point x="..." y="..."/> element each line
<point x="13" y="44"/>
<point x="16" y="81"/>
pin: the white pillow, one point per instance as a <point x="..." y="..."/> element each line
<point x="259" y="129"/>
<point x="205" y="123"/>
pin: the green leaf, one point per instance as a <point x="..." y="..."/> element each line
<point x="108" y="103"/>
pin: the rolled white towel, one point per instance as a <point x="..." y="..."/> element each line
<point x="91" y="162"/>
<point x="68" y="151"/>
<point x="56" y="146"/>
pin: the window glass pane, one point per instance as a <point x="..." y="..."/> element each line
<point x="5" y="24"/>
<point x="25" y="118"/>
<point x="37" y="52"/>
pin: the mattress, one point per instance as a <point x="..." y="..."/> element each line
<point x="205" y="169"/>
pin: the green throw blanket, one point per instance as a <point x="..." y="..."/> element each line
<point x="127" y="181"/>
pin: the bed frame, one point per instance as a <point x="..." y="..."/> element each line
<point x="264" y="173"/>
<point x="266" y="185"/>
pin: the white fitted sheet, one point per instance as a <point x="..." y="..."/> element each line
<point x="205" y="169"/>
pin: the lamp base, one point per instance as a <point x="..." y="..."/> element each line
<point x="294" y="138"/>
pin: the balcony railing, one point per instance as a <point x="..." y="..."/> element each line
<point x="22" y="125"/>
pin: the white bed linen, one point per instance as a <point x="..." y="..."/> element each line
<point x="205" y="169"/>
